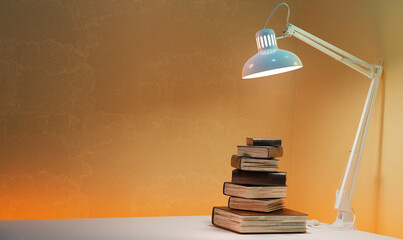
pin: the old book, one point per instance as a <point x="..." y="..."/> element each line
<point x="263" y="142"/>
<point x="280" y="221"/>
<point x="257" y="205"/>
<point x="259" y="178"/>
<point x="260" y="151"/>
<point x="254" y="164"/>
<point x="247" y="191"/>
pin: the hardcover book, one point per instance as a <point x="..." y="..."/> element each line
<point x="247" y="191"/>
<point x="257" y="205"/>
<point x="260" y="151"/>
<point x="259" y="178"/>
<point x="254" y="164"/>
<point x="263" y="142"/>
<point x="281" y="221"/>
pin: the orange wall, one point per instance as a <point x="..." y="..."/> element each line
<point x="131" y="108"/>
<point x="329" y="102"/>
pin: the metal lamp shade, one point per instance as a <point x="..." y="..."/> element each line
<point x="269" y="60"/>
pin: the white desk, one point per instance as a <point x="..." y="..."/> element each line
<point x="197" y="227"/>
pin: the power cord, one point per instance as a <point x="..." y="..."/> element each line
<point x="288" y="15"/>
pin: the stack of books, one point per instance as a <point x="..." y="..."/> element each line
<point x="257" y="191"/>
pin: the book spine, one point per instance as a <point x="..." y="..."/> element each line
<point x="223" y="189"/>
<point x="275" y="152"/>
<point x="212" y="216"/>
<point x="259" y="178"/>
<point x="236" y="161"/>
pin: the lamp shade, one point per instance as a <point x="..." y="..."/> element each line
<point x="269" y="60"/>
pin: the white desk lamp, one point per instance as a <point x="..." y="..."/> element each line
<point x="271" y="60"/>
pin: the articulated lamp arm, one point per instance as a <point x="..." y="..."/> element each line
<point x="344" y="195"/>
<point x="369" y="70"/>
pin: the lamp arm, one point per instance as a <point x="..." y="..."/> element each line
<point x="344" y="195"/>
<point x="336" y="53"/>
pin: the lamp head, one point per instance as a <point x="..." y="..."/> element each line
<point x="269" y="60"/>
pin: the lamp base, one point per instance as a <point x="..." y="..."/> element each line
<point x="344" y="221"/>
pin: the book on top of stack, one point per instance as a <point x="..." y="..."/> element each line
<point x="256" y="192"/>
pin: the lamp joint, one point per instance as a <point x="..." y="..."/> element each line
<point x="289" y="30"/>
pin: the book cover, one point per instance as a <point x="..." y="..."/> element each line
<point x="286" y="212"/>
<point x="263" y="142"/>
<point x="280" y="221"/>
<point x="248" y="191"/>
<point x="259" y="178"/>
<point x="254" y="164"/>
<point x="260" y="151"/>
<point x="257" y="205"/>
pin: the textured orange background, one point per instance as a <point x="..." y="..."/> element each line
<point x="133" y="108"/>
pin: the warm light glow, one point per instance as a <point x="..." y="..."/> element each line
<point x="271" y="72"/>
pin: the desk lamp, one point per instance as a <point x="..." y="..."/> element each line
<point x="271" y="60"/>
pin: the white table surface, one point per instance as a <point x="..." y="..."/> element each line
<point x="194" y="227"/>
